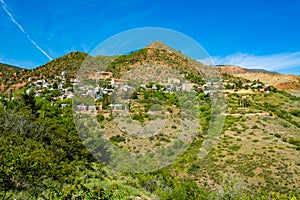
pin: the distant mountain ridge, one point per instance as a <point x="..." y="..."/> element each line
<point x="237" y="69"/>
<point x="7" y="67"/>
<point x="280" y="81"/>
<point x="263" y="71"/>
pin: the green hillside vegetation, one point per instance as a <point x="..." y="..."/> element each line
<point x="43" y="157"/>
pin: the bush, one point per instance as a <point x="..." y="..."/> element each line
<point x="235" y="147"/>
<point x="100" y="117"/>
<point x="138" y="117"/>
<point x="251" y="133"/>
<point x="255" y="127"/>
<point x="277" y="135"/>
<point x="117" y="138"/>
<point x="294" y="141"/>
<point x="296" y="113"/>
<point x="185" y="191"/>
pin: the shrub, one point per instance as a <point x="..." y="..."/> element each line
<point x="235" y="147"/>
<point x="100" y="117"/>
<point x="138" y="117"/>
<point x="251" y="133"/>
<point x="294" y="141"/>
<point x="296" y="113"/>
<point x="187" y="190"/>
<point x="277" y="135"/>
<point x="117" y="138"/>
<point x="255" y="127"/>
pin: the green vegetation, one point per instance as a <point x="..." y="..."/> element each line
<point x="43" y="157"/>
<point x="117" y="139"/>
<point x="100" y="117"/>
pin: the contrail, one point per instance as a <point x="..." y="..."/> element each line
<point x="22" y="29"/>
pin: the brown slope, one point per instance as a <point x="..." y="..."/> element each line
<point x="280" y="81"/>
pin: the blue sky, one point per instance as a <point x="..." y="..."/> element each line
<point x="254" y="34"/>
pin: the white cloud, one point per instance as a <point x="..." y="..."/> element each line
<point x="275" y="62"/>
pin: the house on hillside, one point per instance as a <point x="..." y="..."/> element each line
<point x="112" y="82"/>
<point x="40" y="81"/>
<point x="70" y="96"/>
<point x="46" y="85"/>
<point x="81" y="108"/>
<point x="103" y="75"/>
<point x="99" y="96"/>
<point x="116" y="106"/>
<point x="143" y="86"/>
<point x="60" y="86"/>
<point x="63" y="74"/>
<point x="256" y="86"/>
<point x="91" y="108"/>
<point x="207" y="85"/>
<point x="187" y="87"/>
<point x="127" y="88"/>
<point x="28" y="91"/>
<point x="117" y="81"/>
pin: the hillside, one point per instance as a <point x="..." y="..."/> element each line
<point x="155" y="54"/>
<point x="280" y="81"/>
<point x="69" y="63"/>
<point x="46" y="151"/>
<point x="8" y="72"/>
<point x="6" y="67"/>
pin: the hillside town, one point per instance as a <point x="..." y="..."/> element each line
<point x="62" y="88"/>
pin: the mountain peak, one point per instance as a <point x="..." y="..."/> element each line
<point x="157" y="44"/>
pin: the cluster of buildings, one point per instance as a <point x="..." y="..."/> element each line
<point x="57" y="83"/>
<point x="86" y="108"/>
<point x="64" y="85"/>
